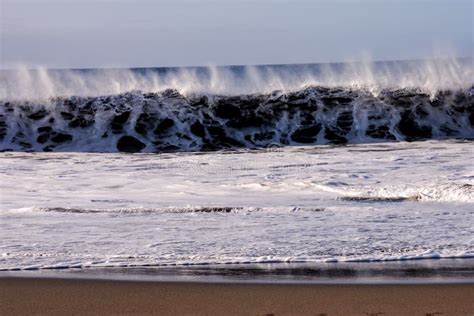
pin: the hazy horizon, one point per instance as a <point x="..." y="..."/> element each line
<point x="106" y="34"/>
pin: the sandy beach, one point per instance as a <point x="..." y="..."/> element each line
<point x="21" y="296"/>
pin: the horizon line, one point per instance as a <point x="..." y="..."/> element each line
<point x="29" y="68"/>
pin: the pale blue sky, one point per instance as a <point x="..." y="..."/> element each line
<point x="104" y="33"/>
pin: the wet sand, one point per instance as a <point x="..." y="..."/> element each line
<point x="46" y="296"/>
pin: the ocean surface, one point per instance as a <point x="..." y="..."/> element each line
<point x="237" y="165"/>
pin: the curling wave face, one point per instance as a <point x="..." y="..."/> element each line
<point x="170" y="121"/>
<point x="235" y="107"/>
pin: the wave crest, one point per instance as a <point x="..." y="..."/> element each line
<point x="430" y="76"/>
<point x="170" y="121"/>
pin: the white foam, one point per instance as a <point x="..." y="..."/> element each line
<point x="430" y="75"/>
<point x="437" y="192"/>
<point x="147" y="209"/>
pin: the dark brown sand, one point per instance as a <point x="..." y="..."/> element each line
<point x="22" y="296"/>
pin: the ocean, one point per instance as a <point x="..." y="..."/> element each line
<point x="240" y="165"/>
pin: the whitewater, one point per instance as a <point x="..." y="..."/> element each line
<point x="218" y="165"/>
<point x="373" y="202"/>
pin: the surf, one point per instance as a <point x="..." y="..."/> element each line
<point x="214" y="108"/>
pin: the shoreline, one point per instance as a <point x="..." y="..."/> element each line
<point x="93" y="296"/>
<point x="437" y="271"/>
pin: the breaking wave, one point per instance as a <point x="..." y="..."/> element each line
<point x="194" y="109"/>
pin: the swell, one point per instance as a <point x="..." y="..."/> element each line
<point x="170" y="121"/>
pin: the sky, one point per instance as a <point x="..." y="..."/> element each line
<point x="146" y="33"/>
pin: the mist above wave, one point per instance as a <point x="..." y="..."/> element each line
<point x="430" y="76"/>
